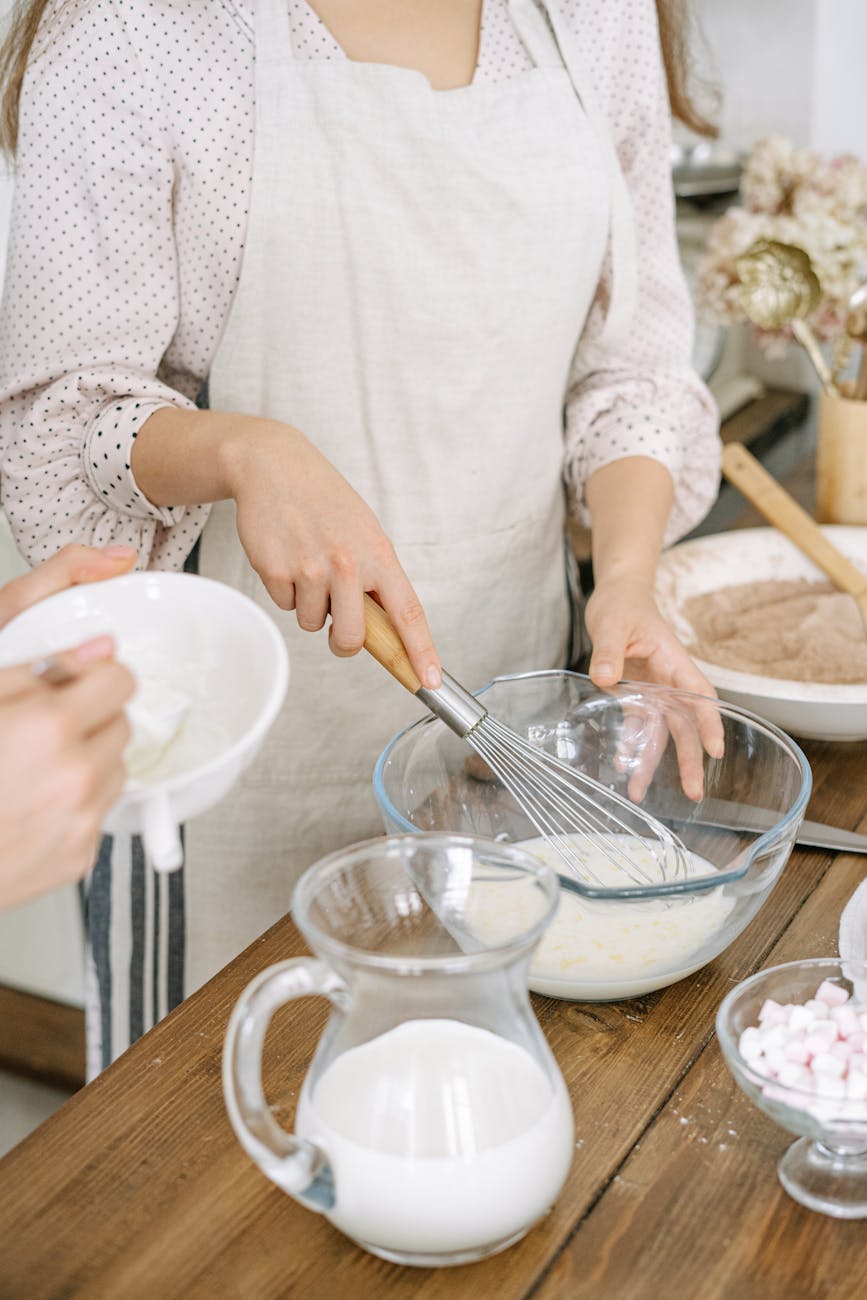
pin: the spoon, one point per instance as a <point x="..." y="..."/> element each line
<point x="778" y="287"/>
<point x="856" y="328"/>
<point x="780" y="509"/>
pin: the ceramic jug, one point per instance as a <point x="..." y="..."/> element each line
<point x="433" y="1126"/>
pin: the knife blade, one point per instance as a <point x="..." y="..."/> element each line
<point x="720" y="814"/>
<point x="817" y="835"/>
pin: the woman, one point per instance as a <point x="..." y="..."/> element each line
<point x="61" y="746"/>
<point x="429" y="278"/>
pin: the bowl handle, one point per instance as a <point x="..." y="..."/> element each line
<point x="161" y="833"/>
<point x="294" y="1164"/>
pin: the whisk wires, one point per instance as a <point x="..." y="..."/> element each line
<point x="559" y="801"/>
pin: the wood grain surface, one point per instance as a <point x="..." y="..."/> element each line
<point x="138" y="1188"/>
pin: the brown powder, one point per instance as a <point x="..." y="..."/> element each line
<point x="806" y="631"/>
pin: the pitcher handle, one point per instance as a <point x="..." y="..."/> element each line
<point x="294" y="1164"/>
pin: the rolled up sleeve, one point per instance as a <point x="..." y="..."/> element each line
<point x="91" y="298"/>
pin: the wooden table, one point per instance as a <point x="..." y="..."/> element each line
<point x="138" y="1188"/>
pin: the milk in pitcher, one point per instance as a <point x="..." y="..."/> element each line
<point x="443" y="1138"/>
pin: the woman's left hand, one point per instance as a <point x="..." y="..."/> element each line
<point x="632" y="640"/>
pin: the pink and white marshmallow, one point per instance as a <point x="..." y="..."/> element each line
<point x="815" y="1053"/>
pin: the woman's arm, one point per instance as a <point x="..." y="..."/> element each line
<point x="316" y="545"/>
<point x="642" y="457"/>
<point x="646" y="399"/>
<point x="630" y="501"/>
<point x="98" y="449"/>
<point x="91" y="297"/>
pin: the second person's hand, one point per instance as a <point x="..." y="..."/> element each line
<point x="70" y="567"/>
<point x="61" y="754"/>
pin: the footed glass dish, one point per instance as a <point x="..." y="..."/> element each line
<point x="826" y="1169"/>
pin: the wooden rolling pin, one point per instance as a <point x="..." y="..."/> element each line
<point x="745" y="473"/>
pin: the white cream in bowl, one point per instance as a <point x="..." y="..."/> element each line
<point x="605" y="949"/>
<point x="175" y="724"/>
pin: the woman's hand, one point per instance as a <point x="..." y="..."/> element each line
<point x="61" y="767"/>
<point x="317" y="546"/>
<point x="630" y="501"/>
<point x="312" y="540"/>
<point x="632" y="640"/>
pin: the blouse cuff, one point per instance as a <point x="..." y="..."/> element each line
<point x="106" y="454"/>
<point x="693" y="466"/>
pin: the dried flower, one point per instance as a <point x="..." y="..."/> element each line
<point x="791" y="196"/>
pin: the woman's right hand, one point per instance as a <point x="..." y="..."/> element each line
<point x="61" y="759"/>
<point x="317" y="546"/>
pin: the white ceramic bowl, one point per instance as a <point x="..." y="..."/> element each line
<point x="201" y="637"/>
<point x="811" y="709"/>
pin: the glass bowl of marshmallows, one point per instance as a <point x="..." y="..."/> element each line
<point x="736" y="815"/>
<point x="795" y="1039"/>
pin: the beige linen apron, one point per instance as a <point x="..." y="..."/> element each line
<point x="418" y="268"/>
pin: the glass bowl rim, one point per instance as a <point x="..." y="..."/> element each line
<point x="732" y="1054"/>
<point x="491" y="956"/>
<point x="763" y="843"/>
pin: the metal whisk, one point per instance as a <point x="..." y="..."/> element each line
<point x="567" y="808"/>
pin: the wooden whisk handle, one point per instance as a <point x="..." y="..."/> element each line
<point x="780" y="509"/>
<point x="382" y="641"/>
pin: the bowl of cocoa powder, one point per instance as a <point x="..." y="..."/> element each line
<point x="769" y="631"/>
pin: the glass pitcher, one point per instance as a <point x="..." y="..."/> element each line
<point x="433" y="1126"/>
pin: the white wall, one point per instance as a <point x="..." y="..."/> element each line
<point x="761" y="53"/>
<point x="792" y="67"/>
<point x="839" y="85"/>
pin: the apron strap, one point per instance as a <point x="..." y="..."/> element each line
<point x="557" y="45"/>
<point x="536" y="34"/>
<point x="271" y="24"/>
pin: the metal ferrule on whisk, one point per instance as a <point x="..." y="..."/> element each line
<point x="458" y="709"/>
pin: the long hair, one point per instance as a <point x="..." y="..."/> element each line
<point x="676" y="32"/>
<point x="14" y="54"/>
<point x="678" y="36"/>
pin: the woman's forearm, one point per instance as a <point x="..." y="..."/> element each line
<point x="184" y="458"/>
<point x="316" y="545"/>
<point x="629" y="502"/>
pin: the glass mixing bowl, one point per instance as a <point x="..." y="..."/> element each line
<point x="621" y="938"/>
<point x="826" y="1169"/>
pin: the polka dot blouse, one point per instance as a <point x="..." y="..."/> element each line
<point x="132" y="184"/>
